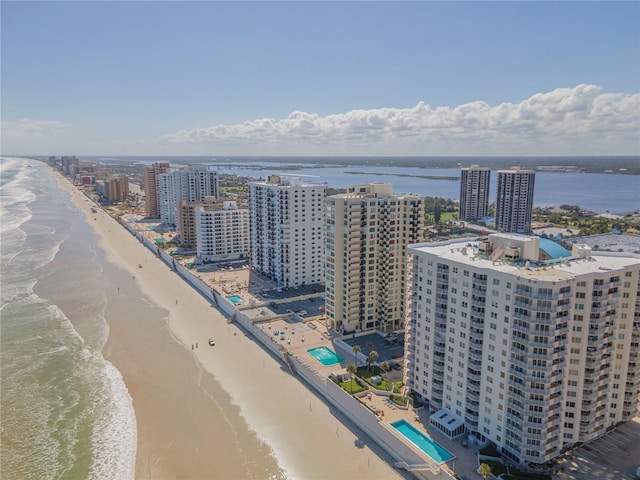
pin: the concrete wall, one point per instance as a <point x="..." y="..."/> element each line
<point x="405" y="455"/>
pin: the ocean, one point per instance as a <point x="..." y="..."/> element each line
<point x="66" y="412"/>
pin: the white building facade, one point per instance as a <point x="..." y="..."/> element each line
<point x="286" y="230"/>
<point x="367" y="230"/>
<point x="532" y="356"/>
<point x="191" y="184"/>
<point x="222" y="232"/>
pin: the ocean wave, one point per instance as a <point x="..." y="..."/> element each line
<point x="114" y="437"/>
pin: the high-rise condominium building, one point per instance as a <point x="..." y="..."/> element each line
<point x="191" y="184"/>
<point x="531" y="355"/>
<point x="514" y="200"/>
<point x="222" y="232"/>
<point x="367" y="230"/>
<point x="286" y="230"/>
<point x="116" y="189"/>
<point x="474" y="192"/>
<point x="187" y="220"/>
<point x="151" y="198"/>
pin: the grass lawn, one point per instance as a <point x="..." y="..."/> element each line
<point x="365" y="373"/>
<point x="349" y="385"/>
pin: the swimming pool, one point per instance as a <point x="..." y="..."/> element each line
<point x="235" y="299"/>
<point x="437" y="453"/>
<point x="325" y="356"/>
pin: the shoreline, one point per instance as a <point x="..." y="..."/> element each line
<point x="271" y="402"/>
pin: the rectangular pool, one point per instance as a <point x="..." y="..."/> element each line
<point x="437" y="453"/>
<point x="235" y="299"/>
<point x="325" y="356"/>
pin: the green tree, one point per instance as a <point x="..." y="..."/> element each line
<point x="484" y="470"/>
<point x="437" y="213"/>
<point x="351" y="370"/>
<point x="356" y="349"/>
<point x="385" y="367"/>
<point x="371" y="359"/>
<point x="370" y="346"/>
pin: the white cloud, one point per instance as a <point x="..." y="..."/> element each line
<point x="572" y="121"/>
<point x="29" y="128"/>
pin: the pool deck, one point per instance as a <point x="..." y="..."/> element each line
<point x="316" y="334"/>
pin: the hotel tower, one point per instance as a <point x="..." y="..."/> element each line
<point x="367" y="230"/>
<point x="474" y="192"/>
<point x="514" y="200"/>
<point x="191" y="184"/>
<point x="286" y="230"/>
<point x="521" y="344"/>
<point x="151" y="197"/>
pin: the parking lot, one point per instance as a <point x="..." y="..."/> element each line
<point x="307" y="301"/>
<point x="612" y="457"/>
<point x="391" y="352"/>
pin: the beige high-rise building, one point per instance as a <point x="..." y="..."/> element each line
<point x="116" y="188"/>
<point x="367" y="230"/>
<point x="522" y="344"/>
<point x="151" y="197"/>
<point x="187" y="220"/>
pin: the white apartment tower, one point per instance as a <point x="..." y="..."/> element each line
<point x="222" y="232"/>
<point x="474" y="192"/>
<point x="286" y="230"/>
<point x="367" y="230"/>
<point x="532" y="355"/>
<point x="151" y="197"/>
<point x="514" y="200"/>
<point x="191" y="184"/>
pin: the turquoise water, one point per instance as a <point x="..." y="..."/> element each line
<point x="235" y="298"/>
<point x="428" y="446"/>
<point x="325" y="356"/>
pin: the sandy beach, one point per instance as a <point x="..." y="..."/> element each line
<point x="229" y="411"/>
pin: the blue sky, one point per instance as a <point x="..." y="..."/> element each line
<point x="320" y="78"/>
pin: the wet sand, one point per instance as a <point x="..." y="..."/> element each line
<point x="229" y="411"/>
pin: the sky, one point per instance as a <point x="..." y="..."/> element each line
<point x="320" y="78"/>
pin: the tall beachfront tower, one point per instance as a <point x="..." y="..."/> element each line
<point x="521" y="343"/>
<point x="514" y="200"/>
<point x="151" y="198"/>
<point x="286" y="230"/>
<point x="191" y="184"/>
<point x="222" y="232"/>
<point x="367" y="230"/>
<point x="474" y="192"/>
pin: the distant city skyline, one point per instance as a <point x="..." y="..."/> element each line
<point x="320" y="78"/>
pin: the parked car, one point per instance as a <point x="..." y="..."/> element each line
<point x="212" y="342"/>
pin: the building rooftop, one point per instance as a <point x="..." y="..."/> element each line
<point x="560" y="268"/>
<point x="553" y="249"/>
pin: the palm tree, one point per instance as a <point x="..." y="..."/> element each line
<point x="351" y="369"/>
<point x="485" y="470"/>
<point x="356" y="349"/>
<point x="370" y="346"/>
<point x="385" y="367"/>
<point x="371" y="359"/>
